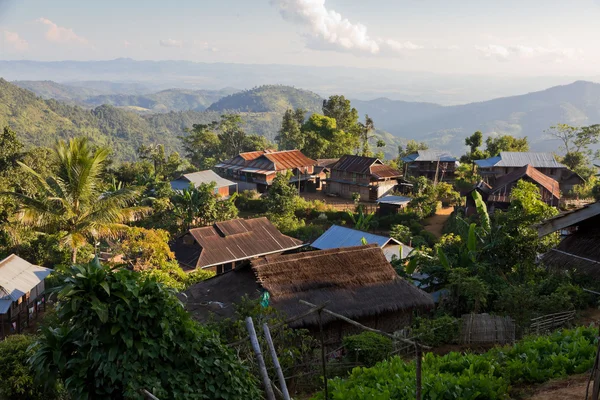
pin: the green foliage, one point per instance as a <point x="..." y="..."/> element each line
<point x="16" y="376"/>
<point x="71" y="200"/>
<point x="290" y="135"/>
<point x="362" y="221"/>
<point x="202" y="206"/>
<point x="295" y="347"/>
<point x="401" y="233"/>
<point x="576" y="142"/>
<point x="340" y="109"/>
<point x="435" y="332"/>
<point x="367" y="348"/>
<point x="281" y="197"/>
<point x="495" y="145"/>
<point x="117" y="332"/>
<point x="473" y="376"/>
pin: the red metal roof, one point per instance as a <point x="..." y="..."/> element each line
<point x="543" y="180"/>
<point x="240" y="239"/>
<point x="270" y="160"/>
<point x="385" y="171"/>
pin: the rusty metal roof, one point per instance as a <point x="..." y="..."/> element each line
<point x="269" y="160"/>
<point x="356" y="164"/>
<point x="251" y="155"/>
<point x="365" y="165"/>
<point x="239" y="239"/>
<point x="18" y="277"/>
<point x="543" y="180"/>
<point x="385" y="171"/>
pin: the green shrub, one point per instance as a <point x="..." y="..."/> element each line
<point x="435" y="331"/>
<point x="473" y="376"/>
<point x="16" y="376"/>
<point x="367" y="348"/>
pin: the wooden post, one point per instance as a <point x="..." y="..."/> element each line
<point x="280" y="377"/>
<point x="19" y="320"/>
<point x="323" y="360"/>
<point x="262" y="368"/>
<point x="418" y="366"/>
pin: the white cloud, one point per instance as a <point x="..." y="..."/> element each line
<point x="205" y="46"/>
<point x="506" y="53"/>
<point x="61" y="34"/>
<point x="170" y="43"/>
<point x="14" y="40"/>
<point x="328" y="30"/>
<point x="127" y="43"/>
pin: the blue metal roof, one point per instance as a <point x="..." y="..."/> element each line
<point x="198" y="178"/>
<point x="339" y="236"/>
<point x="520" y="159"/>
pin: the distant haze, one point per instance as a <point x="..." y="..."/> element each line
<point x="359" y="83"/>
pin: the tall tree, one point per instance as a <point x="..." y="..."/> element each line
<point x="202" y="145"/>
<point x="505" y="143"/>
<point x="10" y="148"/>
<point x="165" y="166"/>
<point x="576" y="142"/>
<point x="474" y="142"/>
<point x="365" y="130"/>
<point x="290" y="134"/>
<point x="232" y="136"/>
<point x="340" y="109"/>
<point x="71" y="200"/>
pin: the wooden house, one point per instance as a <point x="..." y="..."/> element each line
<point x="21" y="292"/>
<point x="367" y="176"/>
<point x="356" y="282"/>
<point x="499" y="195"/>
<point x="578" y="250"/>
<point x="434" y="165"/>
<point x="494" y="168"/>
<point x="256" y="170"/>
<point x="390" y="204"/>
<point x="223" y="187"/>
<point x="229" y="244"/>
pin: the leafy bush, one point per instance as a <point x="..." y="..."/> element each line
<point x="472" y="376"/>
<point x="117" y="332"/>
<point x="367" y="348"/>
<point x="16" y="376"/>
<point x="249" y="200"/>
<point x="435" y="331"/>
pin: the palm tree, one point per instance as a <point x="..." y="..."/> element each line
<point x="72" y="201"/>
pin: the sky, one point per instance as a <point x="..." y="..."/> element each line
<point x="499" y="37"/>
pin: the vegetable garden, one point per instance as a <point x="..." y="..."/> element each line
<point x="474" y="376"/>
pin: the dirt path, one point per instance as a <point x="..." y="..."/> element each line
<point x="435" y="224"/>
<point x="572" y="388"/>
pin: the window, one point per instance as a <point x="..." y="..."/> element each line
<point x="354" y="177"/>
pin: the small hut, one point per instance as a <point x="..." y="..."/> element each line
<point x="21" y="291"/>
<point x="389" y="205"/>
<point x="356" y="282"/>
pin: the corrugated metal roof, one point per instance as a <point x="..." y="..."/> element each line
<point x="239" y="239"/>
<point x="356" y="164"/>
<point x="430" y="155"/>
<point x="520" y="159"/>
<point x="269" y="160"/>
<point x="200" y="177"/>
<point x="395" y="200"/>
<point x="4" y="306"/>
<point x="384" y="171"/>
<point x="544" y="180"/>
<point x="18" y="277"/>
<point x="339" y="236"/>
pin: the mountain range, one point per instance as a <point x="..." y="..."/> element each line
<point x="358" y="83"/>
<point x="129" y="115"/>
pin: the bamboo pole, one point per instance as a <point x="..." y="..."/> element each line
<point x="323" y="359"/>
<point x="262" y="368"/>
<point x="284" y="389"/>
<point x="149" y="395"/>
<point x="418" y="366"/>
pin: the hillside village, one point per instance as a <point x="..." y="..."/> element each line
<point x="137" y="279"/>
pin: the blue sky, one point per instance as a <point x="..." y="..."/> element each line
<point x="509" y="37"/>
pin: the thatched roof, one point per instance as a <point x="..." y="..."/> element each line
<point x="356" y="281"/>
<point x="578" y="251"/>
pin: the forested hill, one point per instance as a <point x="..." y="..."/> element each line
<point x="270" y="98"/>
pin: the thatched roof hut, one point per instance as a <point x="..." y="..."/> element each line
<point x="357" y="282"/>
